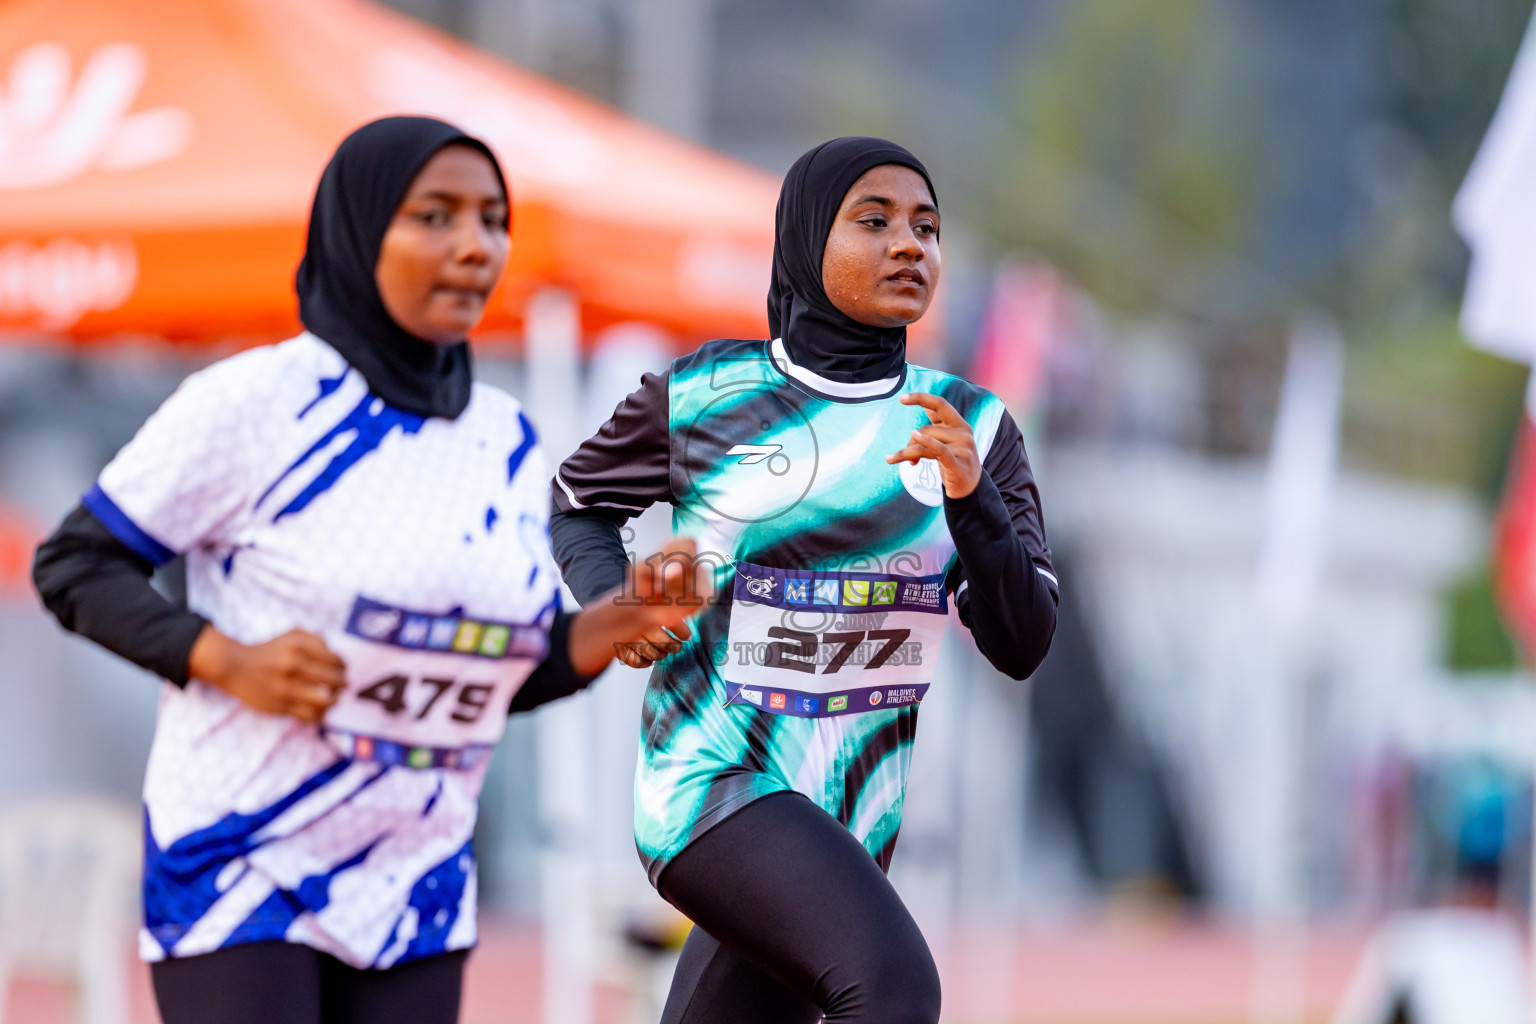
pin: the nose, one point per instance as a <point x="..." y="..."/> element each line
<point x="474" y="242"/>
<point x="905" y="245"/>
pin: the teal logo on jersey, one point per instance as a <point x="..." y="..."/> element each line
<point x="826" y="591"/>
<point x="797" y="591"/>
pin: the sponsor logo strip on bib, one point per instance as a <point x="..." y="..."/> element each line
<point x="825" y="705"/>
<point x="382" y="751"/>
<point x="793" y="589"/>
<point x="448" y="634"/>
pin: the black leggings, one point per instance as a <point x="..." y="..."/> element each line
<point x="796" y="922"/>
<point x="285" y="983"/>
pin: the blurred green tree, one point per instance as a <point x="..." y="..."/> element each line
<point x="1133" y="140"/>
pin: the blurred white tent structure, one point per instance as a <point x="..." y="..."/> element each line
<point x="68" y="877"/>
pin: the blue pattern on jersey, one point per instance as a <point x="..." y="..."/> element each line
<point x="370" y="422"/>
<point x="523" y="448"/>
<point x="328" y="386"/>
<point x="436" y="898"/>
<point x="124" y="529"/>
<point x="271" y="921"/>
<point x="180" y="881"/>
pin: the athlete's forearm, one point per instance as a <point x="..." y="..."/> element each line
<point x="676" y="585"/>
<point x="556" y="675"/>
<point x="98" y="587"/>
<point x="590" y="552"/>
<point x="599" y="629"/>
<point x="1008" y="605"/>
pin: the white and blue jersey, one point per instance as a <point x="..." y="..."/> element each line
<point x="418" y="548"/>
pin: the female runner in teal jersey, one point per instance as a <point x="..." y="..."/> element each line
<point x="847" y="496"/>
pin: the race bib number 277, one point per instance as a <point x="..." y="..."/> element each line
<point x="814" y="644"/>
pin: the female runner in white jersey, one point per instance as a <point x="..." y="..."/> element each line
<point x="370" y="592"/>
<point x="853" y="496"/>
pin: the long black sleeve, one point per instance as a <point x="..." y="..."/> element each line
<point x="98" y="587"/>
<point x="555" y="677"/>
<point x="617" y="473"/>
<point x="590" y="551"/>
<point x="1005" y="589"/>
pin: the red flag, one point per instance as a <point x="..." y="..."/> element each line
<point x="1029" y="310"/>
<point x="1514" y="541"/>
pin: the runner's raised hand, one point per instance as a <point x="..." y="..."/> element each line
<point x="947" y="440"/>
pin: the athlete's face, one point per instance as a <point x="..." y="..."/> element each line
<point x="881" y="264"/>
<point x="445" y="247"/>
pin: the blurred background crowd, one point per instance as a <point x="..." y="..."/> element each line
<point x="1202" y="248"/>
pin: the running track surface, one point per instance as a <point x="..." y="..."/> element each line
<point x="1105" y="971"/>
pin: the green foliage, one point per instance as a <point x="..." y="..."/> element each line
<point x="1445" y="68"/>
<point x="1476" y="640"/>
<point x="1132" y="148"/>
<point x="1422" y="403"/>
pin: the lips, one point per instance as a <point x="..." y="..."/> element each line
<point x="463" y="294"/>
<point x="908" y="276"/>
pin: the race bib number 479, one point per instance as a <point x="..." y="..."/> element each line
<point x="427" y="691"/>
<point x="814" y="644"/>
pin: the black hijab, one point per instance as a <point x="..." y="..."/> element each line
<point x="358" y="195"/>
<point x="816" y="333"/>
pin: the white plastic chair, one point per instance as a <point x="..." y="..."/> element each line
<point x="68" y="879"/>
<point x="1442" y="966"/>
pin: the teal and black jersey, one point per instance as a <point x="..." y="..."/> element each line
<point x="837" y="572"/>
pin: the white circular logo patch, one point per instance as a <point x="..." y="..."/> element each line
<point x="923" y="481"/>
<point x="874" y="698"/>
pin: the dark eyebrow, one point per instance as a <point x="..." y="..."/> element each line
<point x="452" y="198"/>
<point x="883" y="201"/>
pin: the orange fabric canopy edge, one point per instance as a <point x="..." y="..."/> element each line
<point x="158" y="157"/>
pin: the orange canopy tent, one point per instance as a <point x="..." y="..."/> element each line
<point x="157" y="159"/>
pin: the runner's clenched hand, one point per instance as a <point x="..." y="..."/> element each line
<point x="292" y="674"/>
<point x="675" y="584"/>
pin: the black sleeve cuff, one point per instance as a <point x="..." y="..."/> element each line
<point x="980" y="514"/>
<point x="555" y="677"/>
<point x="1007" y="606"/>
